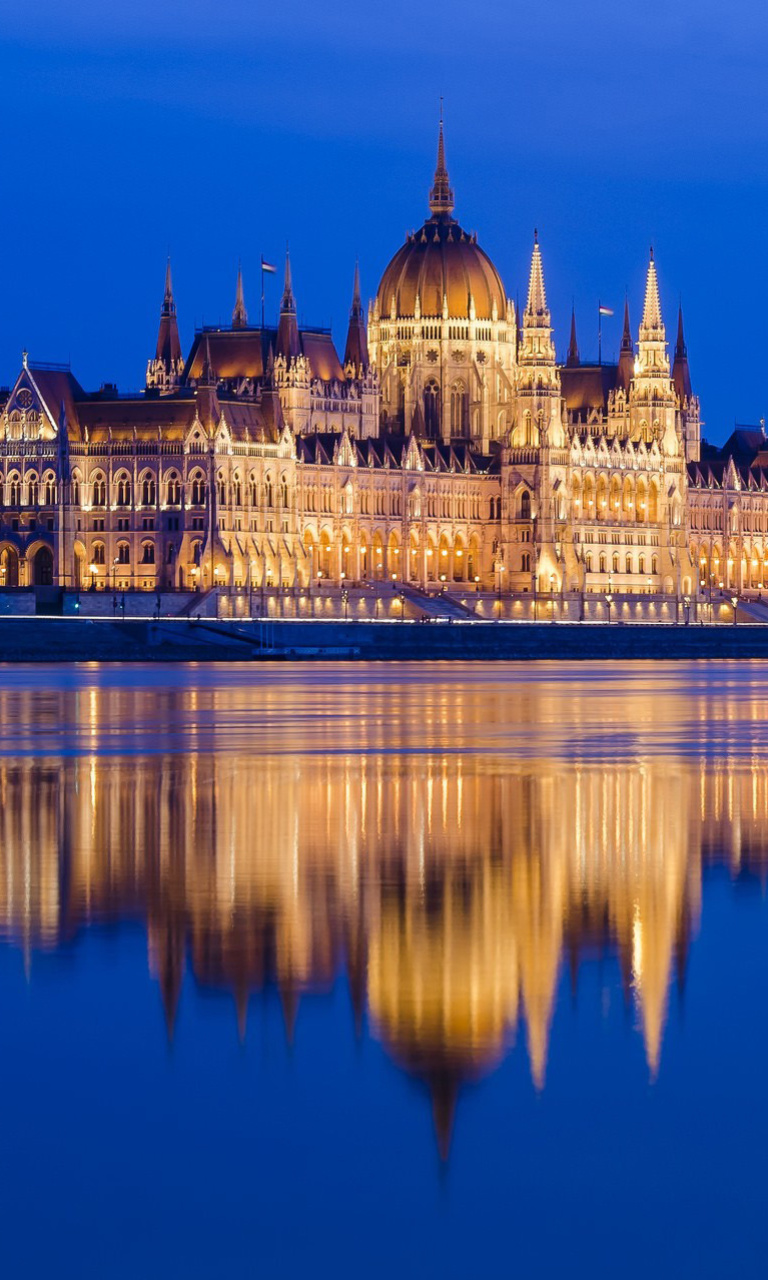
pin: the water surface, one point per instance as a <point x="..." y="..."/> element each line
<point x="383" y="970"/>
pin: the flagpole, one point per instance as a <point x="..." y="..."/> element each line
<point x="599" y="332"/>
<point x="262" y="296"/>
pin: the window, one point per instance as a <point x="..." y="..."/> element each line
<point x="123" y="491"/>
<point x="525" y="505"/>
<point x="174" y="490"/>
<point x="33" y="491"/>
<point x="76" y="491"/>
<point x="147" y="553"/>
<point x="148" y="492"/>
<point x="198" y="490"/>
<point x="459" y="410"/>
<point x="97" y="554"/>
<point x="123" y="553"/>
<point x="99" y="491"/>
<point x="50" y="491"/>
<point x="268" y="494"/>
<point x="431" y="409"/>
<point x="237" y="492"/>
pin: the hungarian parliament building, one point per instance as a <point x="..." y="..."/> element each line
<point x="446" y="450"/>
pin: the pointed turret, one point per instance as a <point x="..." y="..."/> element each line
<point x="441" y="196"/>
<point x="288" y="344"/>
<point x="572" y="361"/>
<point x="652" y="358"/>
<point x="164" y="371"/>
<point x="536" y="312"/>
<point x="681" y="374"/>
<point x="356" y="350"/>
<point x="239" y="315"/>
<point x="627" y="354"/>
<point x="168" y="346"/>
<point x="652" y="308"/>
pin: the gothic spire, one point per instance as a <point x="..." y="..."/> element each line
<point x="441" y="195"/>
<point x="681" y="374"/>
<point x="239" y="315"/>
<point x="572" y="360"/>
<point x="627" y="353"/>
<point x="652" y="308"/>
<point x="288" y="343"/>
<point x="536" y="313"/>
<point x="356" y="351"/>
<point x="168" y="348"/>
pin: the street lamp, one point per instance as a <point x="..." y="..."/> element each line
<point x="734" y="602"/>
<point x="609" y="597"/>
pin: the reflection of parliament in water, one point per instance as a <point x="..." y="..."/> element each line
<point x="451" y="890"/>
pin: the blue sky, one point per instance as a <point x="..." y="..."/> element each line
<point x="223" y="131"/>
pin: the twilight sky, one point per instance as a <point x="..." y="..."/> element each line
<point x="222" y="130"/>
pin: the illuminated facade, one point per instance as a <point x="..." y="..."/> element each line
<point x="447" y="446"/>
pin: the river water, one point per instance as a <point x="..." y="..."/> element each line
<point x="391" y="970"/>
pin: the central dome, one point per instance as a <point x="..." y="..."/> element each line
<point x="441" y="262"/>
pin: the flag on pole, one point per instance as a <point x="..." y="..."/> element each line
<point x="605" y="311"/>
<point x="272" y="271"/>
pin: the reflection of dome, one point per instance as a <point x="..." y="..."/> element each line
<point x="442" y="262"/>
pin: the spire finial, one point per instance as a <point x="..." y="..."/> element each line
<point x="536" y="307"/>
<point x="169" y="306"/>
<point x="652" y="308"/>
<point x="288" y="303"/>
<point x="239" y="315"/>
<point x="441" y="195"/>
<point x="573" y="346"/>
<point x="680" y="347"/>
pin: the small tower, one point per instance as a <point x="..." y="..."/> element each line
<point x="356" y="350"/>
<point x="681" y="374"/>
<point x="164" y="371"/>
<point x="652" y="358"/>
<point x="288" y="344"/>
<point x="239" y="315"/>
<point x="441" y="201"/>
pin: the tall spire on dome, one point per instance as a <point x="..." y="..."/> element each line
<point x="652" y="308"/>
<point x="441" y="196"/>
<point x="572" y="360"/>
<point x="536" y="313"/>
<point x="288" y="343"/>
<point x="239" y="315"/>
<point x="356" y="351"/>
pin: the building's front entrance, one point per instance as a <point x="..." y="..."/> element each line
<point x="42" y="568"/>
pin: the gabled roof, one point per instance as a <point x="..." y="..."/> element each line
<point x="55" y="386"/>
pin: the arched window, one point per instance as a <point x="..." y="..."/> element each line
<point x="147" y="553"/>
<point x="237" y="492"/>
<point x="615" y="562"/>
<point x="603" y="565"/>
<point x="221" y="490"/>
<point x="525" y="505"/>
<point x="123" y="553"/>
<point x="198" y="490"/>
<point x="654" y="564"/>
<point x="432" y="409"/>
<point x="268" y="494"/>
<point x="76" y="491"/>
<point x="98" y="555"/>
<point x="14" y="492"/>
<point x="123" y="491"/>
<point x="33" y="491"/>
<point x="50" y="491"/>
<point x="641" y="565"/>
<point x="283" y="493"/>
<point x="148" y="492"/>
<point x="99" y="491"/>
<point x="588" y="562"/>
<point x="253" y="490"/>
<point x="628" y="564"/>
<point x="459" y="410"/>
<point x="174" y="490"/>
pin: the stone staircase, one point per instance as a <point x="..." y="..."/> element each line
<point x="435" y="606"/>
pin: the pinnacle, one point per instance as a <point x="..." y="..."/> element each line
<point x="441" y="195"/>
<point x="537" y="298"/>
<point x="239" y="315"/>
<point x="652" y="308"/>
